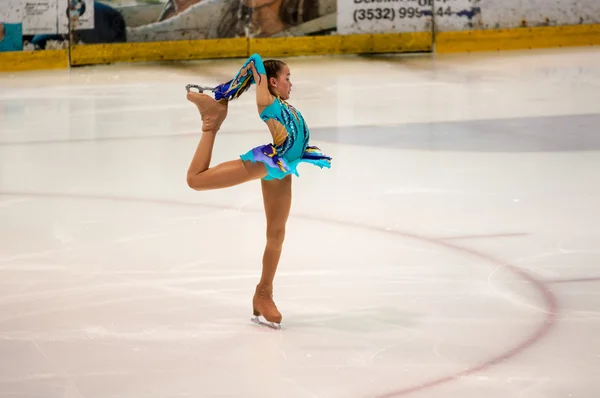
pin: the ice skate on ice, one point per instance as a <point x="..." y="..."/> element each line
<point x="265" y="310"/>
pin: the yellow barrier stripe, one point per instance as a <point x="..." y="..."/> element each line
<point x="90" y="54"/>
<point x="16" y="61"/>
<point x="342" y="44"/>
<point x="517" y="38"/>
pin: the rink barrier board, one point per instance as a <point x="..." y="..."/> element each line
<point x="445" y="42"/>
<point x="18" y="61"/>
<point x="342" y="44"/>
<point x="517" y="38"/>
<point x="93" y="54"/>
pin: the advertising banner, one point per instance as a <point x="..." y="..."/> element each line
<point x="384" y="16"/>
<point x="33" y="24"/>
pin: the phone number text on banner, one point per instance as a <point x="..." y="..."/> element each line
<point x="384" y="16"/>
<point x="391" y="14"/>
<point x="388" y="16"/>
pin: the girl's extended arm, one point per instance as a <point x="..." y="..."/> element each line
<point x="253" y="72"/>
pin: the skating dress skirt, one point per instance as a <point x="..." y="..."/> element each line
<point x="284" y="159"/>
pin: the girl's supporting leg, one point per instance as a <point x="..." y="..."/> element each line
<point x="277" y="199"/>
<point x="200" y="177"/>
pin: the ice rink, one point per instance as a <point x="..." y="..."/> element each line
<point x="452" y="250"/>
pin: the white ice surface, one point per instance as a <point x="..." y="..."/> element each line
<point x="401" y="270"/>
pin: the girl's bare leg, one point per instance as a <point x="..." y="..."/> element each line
<point x="200" y="177"/>
<point x="277" y="198"/>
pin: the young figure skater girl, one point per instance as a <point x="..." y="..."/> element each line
<point x="273" y="164"/>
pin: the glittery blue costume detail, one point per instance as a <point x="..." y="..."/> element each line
<point x="242" y="81"/>
<point x="283" y="159"/>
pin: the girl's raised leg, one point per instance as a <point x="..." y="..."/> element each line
<point x="200" y="176"/>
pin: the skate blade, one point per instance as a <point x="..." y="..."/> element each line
<point x="260" y="320"/>
<point x="200" y="89"/>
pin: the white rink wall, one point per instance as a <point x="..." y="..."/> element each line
<point x="386" y="16"/>
<point x="489" y="14"/>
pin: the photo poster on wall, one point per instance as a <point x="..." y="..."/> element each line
<point x="172" y="20"/>
<point x="23" y="22"/>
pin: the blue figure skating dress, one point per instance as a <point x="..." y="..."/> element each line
<point x="281" y="159"/>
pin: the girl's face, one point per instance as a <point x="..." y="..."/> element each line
<point x="282" y="84"/>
